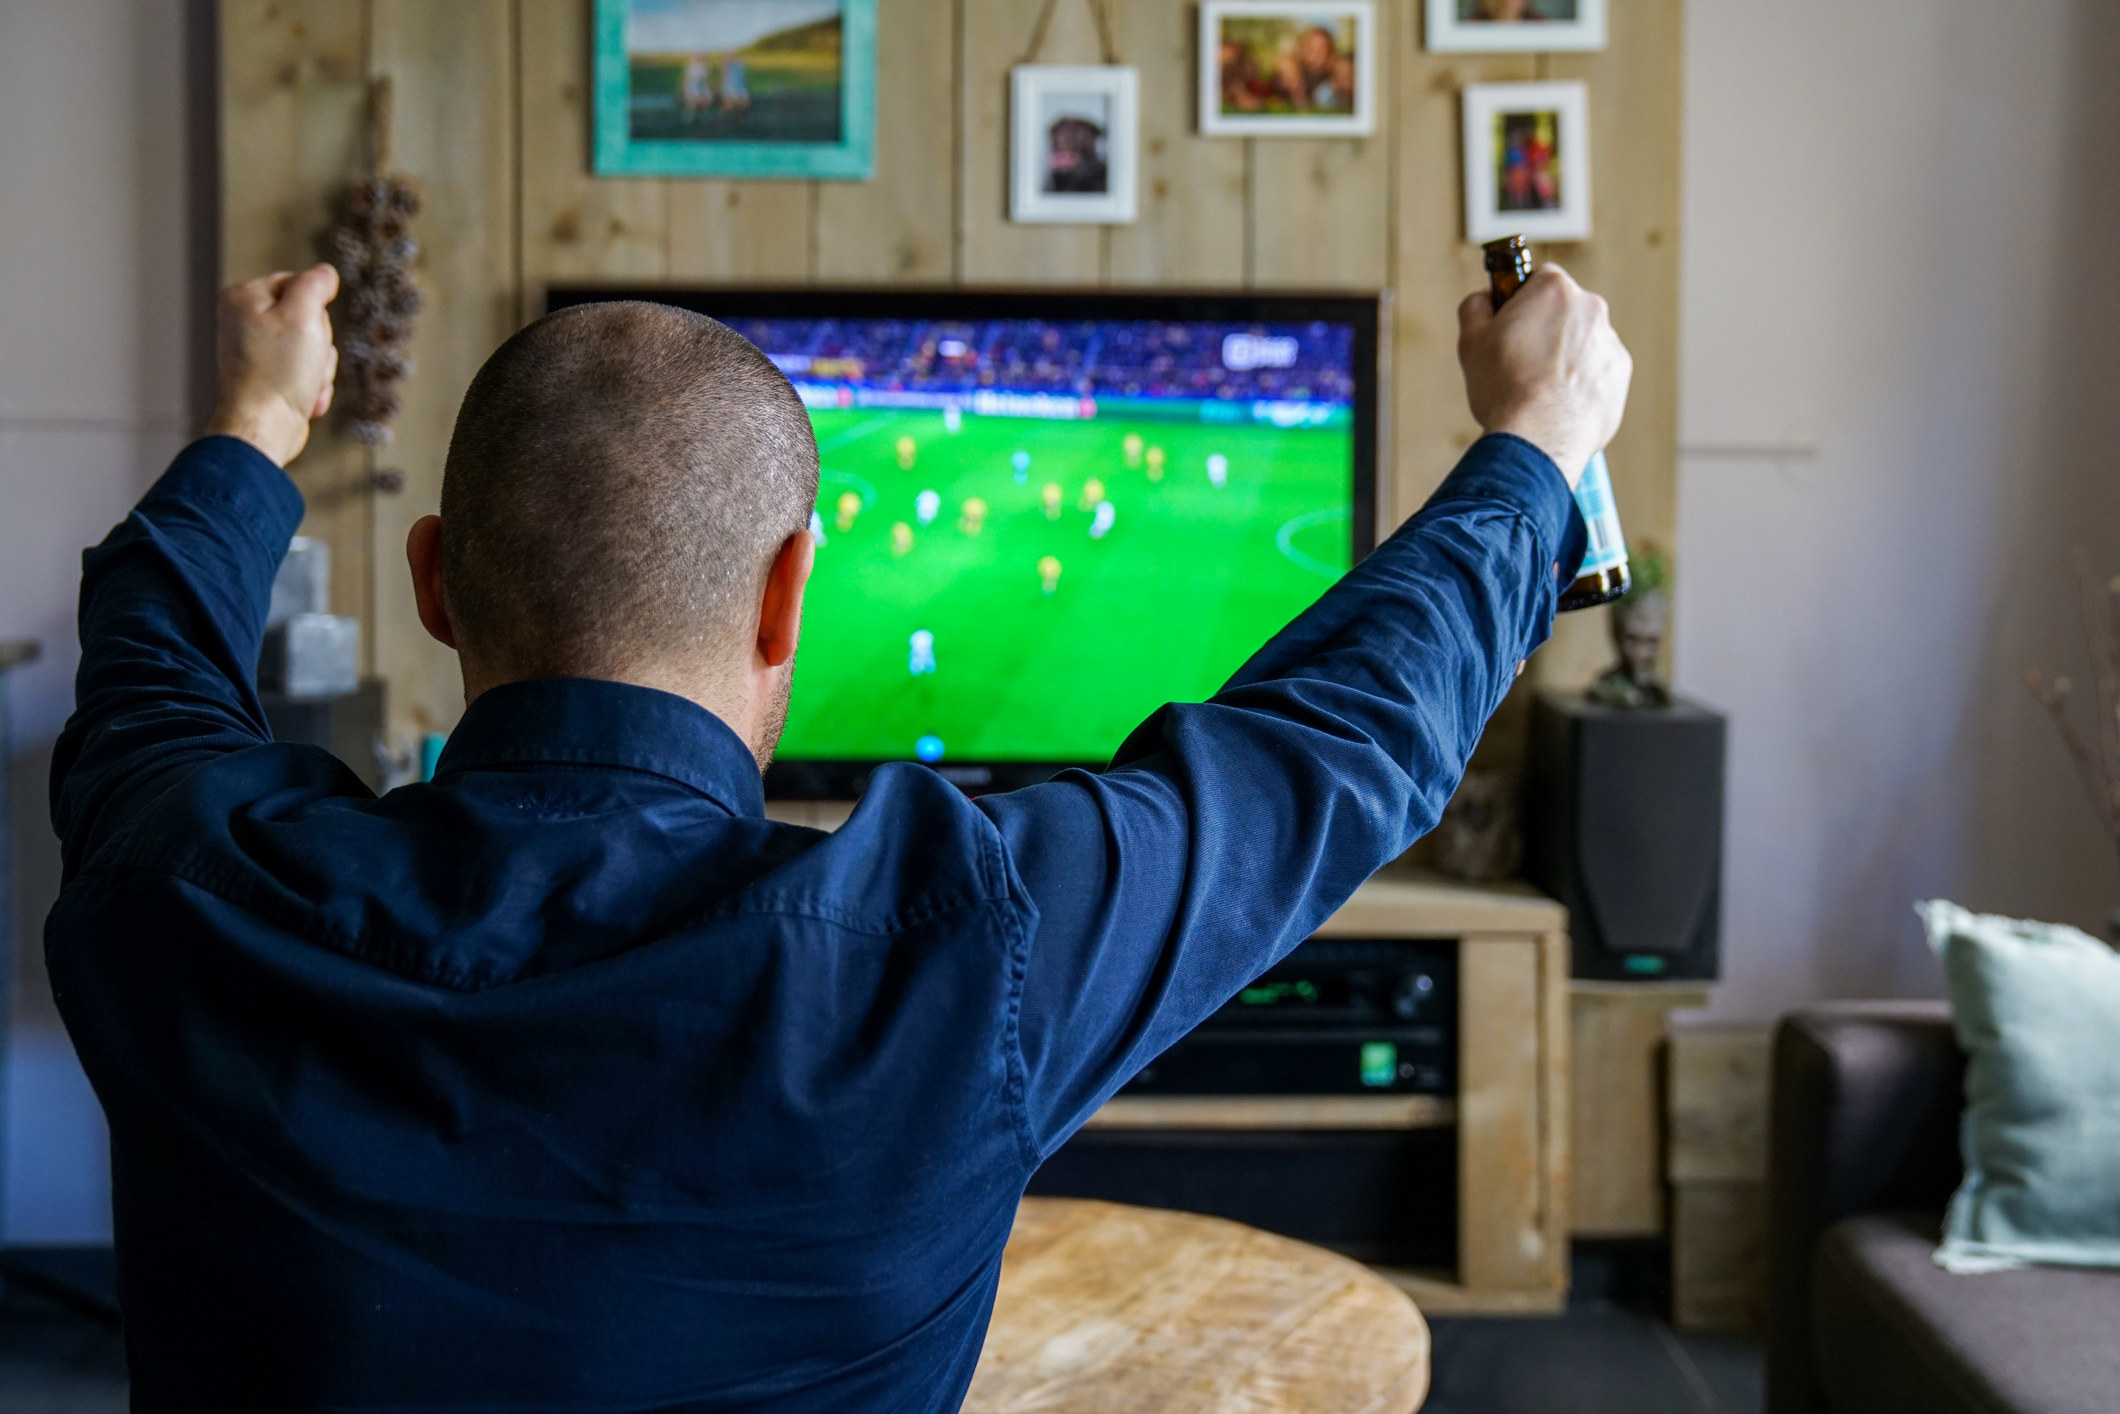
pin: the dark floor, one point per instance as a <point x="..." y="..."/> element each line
<point x="54" y="1360"/>
<point x="1612" y="1352"/>
<point x="1609" y="1352"/>
<point x="1596" y="1359"/>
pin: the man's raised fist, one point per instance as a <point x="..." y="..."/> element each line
<point x="277" y="360"/>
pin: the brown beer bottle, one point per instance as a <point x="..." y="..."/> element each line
<point x="1604" y="575"/>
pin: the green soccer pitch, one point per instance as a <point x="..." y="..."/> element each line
<point x="1185" y="585"/>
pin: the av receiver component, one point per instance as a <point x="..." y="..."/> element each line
<point x="1338" y="1016"/>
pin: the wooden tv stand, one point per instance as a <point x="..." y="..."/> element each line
<point x="1511" y="1109"/>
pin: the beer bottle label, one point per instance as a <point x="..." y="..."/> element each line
<point x="1593" y="496"/>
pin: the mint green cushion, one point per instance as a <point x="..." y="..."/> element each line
<point x="2037" y="1008"/>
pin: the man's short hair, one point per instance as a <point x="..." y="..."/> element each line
<point x="619" y="482"/>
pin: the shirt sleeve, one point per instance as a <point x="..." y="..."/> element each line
<point x="173" y="606"/>
<point x="1227" y="830"/>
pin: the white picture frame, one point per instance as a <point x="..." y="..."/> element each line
<point x="1452" y="31"/>
<point x="1221" y="116"/>
<point x="1527" y="161"/>
<point x="1102" y="101"/>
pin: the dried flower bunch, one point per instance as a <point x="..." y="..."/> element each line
<point x="372" y="245"/>
<point x="2098" y="764"/>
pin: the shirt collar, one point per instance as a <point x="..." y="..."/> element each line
<point x="589" y="722"/>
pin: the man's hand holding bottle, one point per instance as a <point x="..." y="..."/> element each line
<point x="1547" y="367"/>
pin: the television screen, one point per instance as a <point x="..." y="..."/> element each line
<point x="1040" y="517"/>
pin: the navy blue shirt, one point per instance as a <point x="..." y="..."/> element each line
<point x="568" y="1081"/>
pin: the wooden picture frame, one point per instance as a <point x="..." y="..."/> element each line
<point x="1527" y="161"/>
<point x="684" y="89"/>
<point x="1454" y="27"/>
<point x="1083" y="116"/>
<point x="1263" y="74"/>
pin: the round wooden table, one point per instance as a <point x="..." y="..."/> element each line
<point x="1107" y="1309"/>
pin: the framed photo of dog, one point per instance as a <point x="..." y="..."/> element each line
<point x="1074" y="130"/>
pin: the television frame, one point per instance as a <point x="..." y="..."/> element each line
<point x="836" y="779"/>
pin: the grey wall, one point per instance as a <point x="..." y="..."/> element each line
<point x="95" y="251"/>
<point x="1898" y="214"/>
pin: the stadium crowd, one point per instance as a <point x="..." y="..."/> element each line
<point x="1305" y="363"/>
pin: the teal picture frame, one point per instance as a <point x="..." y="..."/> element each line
<point x="617" y="153"/>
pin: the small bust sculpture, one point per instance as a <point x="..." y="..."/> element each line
<point x="1638" y="624"/>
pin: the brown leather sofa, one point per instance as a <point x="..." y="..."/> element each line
<point x="1863" y="1158"/>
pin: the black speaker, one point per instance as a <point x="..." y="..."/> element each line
<point x="1624" y="825"/>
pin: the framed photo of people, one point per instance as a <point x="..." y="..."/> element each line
<point x="1288" y="68"/>
<point x="1527" y="161"/>
<point x="1514" y="26"/>
<point x="736" y="88"/>
<point x="1073" y="134"/>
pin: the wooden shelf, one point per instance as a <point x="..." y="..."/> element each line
<point x="1437" y="908"/>
<point x="1437" y="1293"/>
<point x="817" y="814"/>
<point x="1276" y="1112"/>
<point x="1664" y="993"/>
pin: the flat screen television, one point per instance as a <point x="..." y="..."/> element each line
<point x="1043" y="515"/>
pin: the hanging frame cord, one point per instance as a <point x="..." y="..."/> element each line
<point x="1100" y="11"/>
<point x="382" y="135"/>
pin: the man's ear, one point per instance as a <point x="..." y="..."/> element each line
<point x="780" y="614"/>
<point x="423" y="551"/>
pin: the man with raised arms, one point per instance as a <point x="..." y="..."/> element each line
<point x="567" y="1080"/>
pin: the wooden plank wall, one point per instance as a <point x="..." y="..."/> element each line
<point x="293" y="99"/>
<point x="493" y="117"/>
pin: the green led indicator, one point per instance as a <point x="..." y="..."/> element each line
<point x="1380" y="1063"/>
<point x="1270" y="993"/>
<point x="1647" y="963"/>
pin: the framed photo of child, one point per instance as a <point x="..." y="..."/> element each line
<point x="1514" y="26"/>
<point x="1288" y="68"/>
<point x="1527" y="161"/>
<point x="736" y="88"/>
<point x="1073" y="131"/>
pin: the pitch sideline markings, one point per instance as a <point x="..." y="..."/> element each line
<point x="832" y="476"/>
<point x="855" y="434"/>
<point x="1284" y="539"/>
